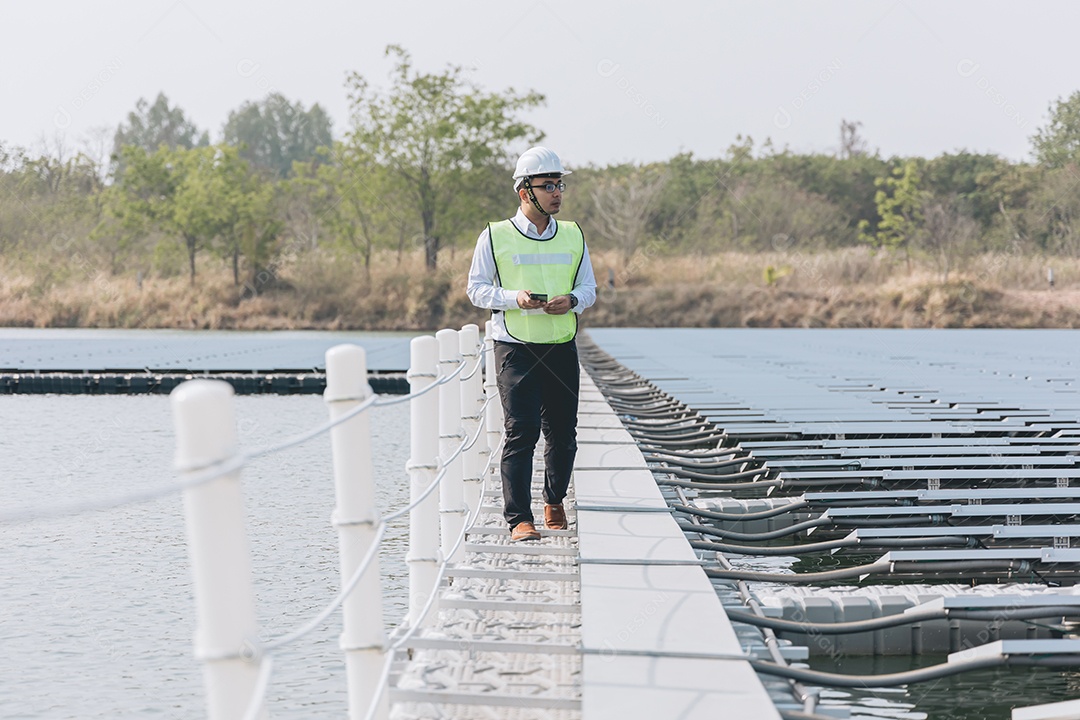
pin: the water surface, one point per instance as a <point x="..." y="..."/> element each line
<point x="97" y="612"/>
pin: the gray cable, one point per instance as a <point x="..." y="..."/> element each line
<point x="781" y="550"/>
<point x="739" y="517"/>
<point x="773" y="551"/>
<point x="751" y="537"/>
<point x="699" y="466"/>
<point x="905" y="618"/>
<point x="808" y="697"/>
<point x="883" y="566"/>
<point x="702" y="433"/>
<point x="707" y="477"/>
<point x="650" y="440"/>
<point x="694" y="485"/>
<point x="703" y="455"/>
<point x="800" y="578"/>
<point x="911" y="676"/>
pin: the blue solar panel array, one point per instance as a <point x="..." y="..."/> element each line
<point x="974" y="430"/>
<point x="824" y="383"/>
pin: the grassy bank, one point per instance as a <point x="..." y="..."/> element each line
<point x="844" y="288"/>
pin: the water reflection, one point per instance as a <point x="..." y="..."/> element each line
<point x="978" y="695"/>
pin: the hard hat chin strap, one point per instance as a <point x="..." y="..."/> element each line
<point x="532" y="197"/>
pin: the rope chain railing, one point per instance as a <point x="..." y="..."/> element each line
<point x="204" y="474"/>
<point x="455" y="436"/>
<point x="446" y="452"/>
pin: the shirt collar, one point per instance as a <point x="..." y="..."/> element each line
<point x="528" y="229"/>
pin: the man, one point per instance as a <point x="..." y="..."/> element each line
<point x="535" y="275"/>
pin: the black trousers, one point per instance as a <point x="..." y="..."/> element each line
<point x="538" y="385"/>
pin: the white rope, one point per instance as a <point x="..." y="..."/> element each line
<point x="365" y="563"/>
<point x="457" y="451"/>
<point x="262" y="684"/>
<point x="240" y="459"/>
<point x="213" y="472"/>
<point x="315" y="432"/>
<point x="483" y="409"/>
<point x="41" y="512"/>
<point x="369" y="557"/>
<point x="263" y="681"/>
<point x="376" y="545"/>
<point x="426" y="389"/>
<point x="479" y="361"/>
<point x="361" y="569"/>
<point x="442" y="568"/>
<point x="384" y="680"/>
<point x="384" y="676"/>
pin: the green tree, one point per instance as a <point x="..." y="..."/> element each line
<point x="356" y="197"/>
<point x="960" y="181"/>
<point x="847" y="183"/>
<point x="678" y="203"/>
<point x="899" y="201"/>
<point x="1058" y="143"/>
<point x="151" y="126"/>
<point x="1012" y="188"/>
<point x="229" y="205"/>
<point x="256" y="229"/>
<point x="1053" y="213"/>
<point x="438" y="133"/>
<point x="51" y="200"/>
<point x="197" y="207"/>
<point x="302" y="205"/>
<point x="118" y="237"/>
<point x="274" y="133"/>
<point x="169" y="190"/>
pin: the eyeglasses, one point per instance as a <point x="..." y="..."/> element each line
<point x="550" y="187"/>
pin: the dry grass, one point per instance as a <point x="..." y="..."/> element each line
<point x="844" y="288"/>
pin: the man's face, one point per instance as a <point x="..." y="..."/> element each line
<point x="550" y="201"/>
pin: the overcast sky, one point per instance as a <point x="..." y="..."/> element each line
<point x="625" y="81"/>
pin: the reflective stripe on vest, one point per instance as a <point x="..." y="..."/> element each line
<point x="540" y="266"/>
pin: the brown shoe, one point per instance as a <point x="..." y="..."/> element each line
<point x="554" y="517"/>
<point x="524" y="531"/>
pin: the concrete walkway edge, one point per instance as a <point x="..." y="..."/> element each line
<point x="655" y="638"/>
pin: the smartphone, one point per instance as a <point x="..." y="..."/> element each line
<point x="538" y="297"/>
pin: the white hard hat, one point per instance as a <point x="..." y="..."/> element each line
<point x="537" y="161"/>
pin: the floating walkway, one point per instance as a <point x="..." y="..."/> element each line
<point x="611" y="618"/>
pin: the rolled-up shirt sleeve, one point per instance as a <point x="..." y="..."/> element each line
<point x="482" y="290"/>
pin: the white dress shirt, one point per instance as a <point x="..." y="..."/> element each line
<point x="486" y="293"/>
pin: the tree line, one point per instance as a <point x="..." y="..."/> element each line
<point x="426" y="161"/>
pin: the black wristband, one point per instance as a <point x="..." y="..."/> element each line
<point x="573" y="300"/>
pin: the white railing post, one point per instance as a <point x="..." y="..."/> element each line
<point x="474" y="460"/>
<point x="452" y="508"/>
<point x="493" y="419"/>
<point x="423" y="556"/>
<point x="356" y="519"/>
<point x="226" y="634"/>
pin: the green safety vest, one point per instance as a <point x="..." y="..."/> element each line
<point x="542" y="266"/>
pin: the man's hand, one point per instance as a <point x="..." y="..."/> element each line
<point x="525" y="301"/>
<point x="558" y="305"/>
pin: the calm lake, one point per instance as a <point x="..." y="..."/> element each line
<point x="96" y="611"/>
<point x="97" y="614"/>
